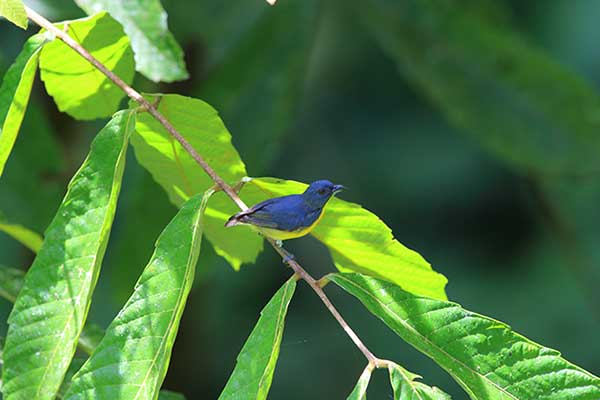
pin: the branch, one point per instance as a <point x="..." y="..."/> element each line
<point x="137" y="97"/>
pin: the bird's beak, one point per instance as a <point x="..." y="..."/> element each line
<point x="338" y="188"/>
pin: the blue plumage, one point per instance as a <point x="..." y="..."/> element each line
<point x="281" y="217"/>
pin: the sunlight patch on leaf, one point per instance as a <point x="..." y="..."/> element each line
<point x="14" y="11"/>
<point x="78" y="88"/>
<point x="30" y="239"/>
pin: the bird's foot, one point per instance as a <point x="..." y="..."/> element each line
<point x="287" y="256"/>
<point x="279" y="243"/>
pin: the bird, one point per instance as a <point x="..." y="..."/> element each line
<point x="288" y="217"/>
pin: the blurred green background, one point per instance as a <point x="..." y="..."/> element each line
<point x="317" y="89"/>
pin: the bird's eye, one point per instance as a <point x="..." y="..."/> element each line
<point x="321" y="191"/>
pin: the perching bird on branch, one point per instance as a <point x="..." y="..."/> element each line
<point x="288" y="217"/>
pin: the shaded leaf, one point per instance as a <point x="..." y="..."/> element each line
<point x="132" y="359"/>
<point x="253" y="373"/>
<point x="51" y="308"/>
<point x="169" y="395"/>
<point x="133" y="244"/>
<point x="77" y="87"/>
<point x="32" y="240"/>
<point x="181" y="177"/>
<point x="360" y="390"/>
<point x="14" y="11"/>
<point x="406" y="387"/>
<point x="275" y="54"/>
<point x="14" y="94"/>
<point x="359" y="241"/>
<point x="157" y="53"/>
<point x="11" y="281"/>
<point x="483" y="355"/>
<point x="488" y="80"/>
<point x="32" y="187"/>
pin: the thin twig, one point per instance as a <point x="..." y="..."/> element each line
<point x="137" y="97"/>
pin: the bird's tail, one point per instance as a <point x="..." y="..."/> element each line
<point x="233" y="220"/>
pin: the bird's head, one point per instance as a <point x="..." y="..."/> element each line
<point x="319" y="192"/>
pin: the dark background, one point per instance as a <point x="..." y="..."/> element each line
<point x="308" y="94"/>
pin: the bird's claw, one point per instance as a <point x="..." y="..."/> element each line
<point x="279" y="243"/>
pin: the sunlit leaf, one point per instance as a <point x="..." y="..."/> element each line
<point x="359" y="241"/>
<point x="181" y="177"/>
<point x="11" y="282"/>
<point x="14" y="11"/>
<point x="132" y="359"/>
<point x="514" y="99"/>
<point x="51" y="308"/>
<point x="27" y="237"/>
<point x="157" y="53"/>
<point x="77" y="87"/>
<point x="483" y="355"/>
<point x="405" y="386"/>
<point x="14" y="94"/>
<point x="360" y="390"/>
<point x="275" y="54"/>
<point x="253" y="373"/>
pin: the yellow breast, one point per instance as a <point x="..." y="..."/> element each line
<point x="285" y="235"/>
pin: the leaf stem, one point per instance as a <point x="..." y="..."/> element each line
<point x="137" y="97"/>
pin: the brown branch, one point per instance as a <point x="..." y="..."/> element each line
<point x="137" y="97"/>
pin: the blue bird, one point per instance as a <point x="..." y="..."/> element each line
<point x="288" y="217"/>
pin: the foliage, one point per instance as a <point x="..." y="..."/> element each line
<point x="62" y="69"/>
<point x="483" y="355"/>
<point x="14" y="11"/>
<point x="130" y="359"/>
<point x="51" y="308"/>
<point x="14" y="95"/>
<point x="157" y="53"/>
<point x="253" y="373"/>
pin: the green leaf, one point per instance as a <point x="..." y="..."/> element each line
<point x="11" y="281"/>
<point x="169" y="395"/>
<point x="32" y="240"/>
<point x="274" y="70"/>
<point x="360" y="390"/>
<point x="157" y="53"/>
<point x="52" y="306"/>
<point x="359" y="241"/>
<point x="14" y="11"/>
<point x="510" y="96"/>
<point x="253" y="373"/>
<point x="132" y="359"/>
<point x="181" y="177"/>
<point x="14" y="94"/>
<point x="406" y="388"/>
<point x="77" y="87"/>
<point x="32" y="187"/>
<point x="483" y="355"/>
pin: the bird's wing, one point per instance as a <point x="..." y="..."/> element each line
<point x="283" y="213"/>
